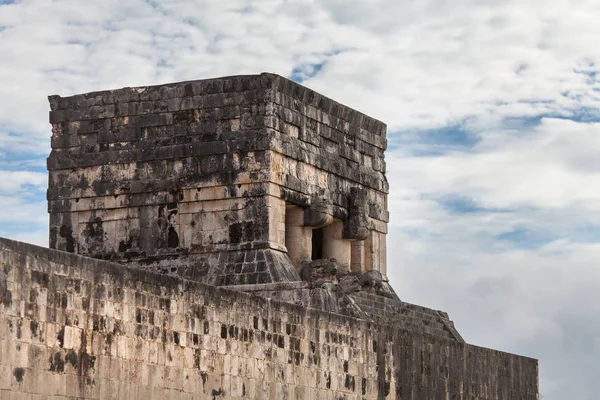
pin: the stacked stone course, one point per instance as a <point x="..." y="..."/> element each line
<point x="75" y="327"/>
<point x="187" y="171"/>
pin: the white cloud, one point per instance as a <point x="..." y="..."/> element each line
<point x="443" y="62"/>
<point x="13" y="181"/>
<point x="533" y="303"/>
<point x="554" y="165"/>
<point x="24" y="210"/>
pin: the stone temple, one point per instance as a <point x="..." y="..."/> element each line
<point x="224" y="239"/>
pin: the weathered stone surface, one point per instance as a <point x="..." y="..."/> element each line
<point x="356" y="226"/>
<point x="318" y="272"/>
<point x="180" y="173"/>
<point x="371" y="280"/>
<point x="319" y="213"/>
<point x="349" y="284"/>
<point x="78" y="327"/>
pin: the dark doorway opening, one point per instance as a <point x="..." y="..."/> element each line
<point x="317" y="244"/>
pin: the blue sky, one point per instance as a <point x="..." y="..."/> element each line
<point x="493" y="113"/>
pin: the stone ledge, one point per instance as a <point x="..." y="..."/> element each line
<point x="269" y="286"/>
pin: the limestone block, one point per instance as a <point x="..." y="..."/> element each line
<point x="334" y="244"/>
<point x="298" y="237"/>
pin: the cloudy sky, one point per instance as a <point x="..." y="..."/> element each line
<point x="493" y="112"/>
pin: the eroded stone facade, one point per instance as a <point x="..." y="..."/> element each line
<point x="193" y="178"/>
<point x="76" y="327"/>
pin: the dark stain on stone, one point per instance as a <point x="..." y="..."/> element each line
<point x="94" y="228"/>
<point x="350" y="383"/>
<point x="125" y="245"/>
<point x="19" y="373"/>
<point x="66" y="232"/>
<point x="41" y="278"/>
<point x="364" y="386"/>
<point x="235" y="232"/>
<point x="86" y="363"/>
<point x="33" y="327"/>
<point x="173" y="238"/>
<point x="57" y="364"/>
<point x="164" y="304"/>
<point x="94" y="234"/>
<point x="102" y="187"/>
<point x="216" y="393"/>
<point x="71" y="358"/>
<point x="61" y="337"/>
<point x="197" y="359"/>
<point x="3" y="284"/>
<point x="141" y="331"/>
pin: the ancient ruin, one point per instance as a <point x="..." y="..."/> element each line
<point x="224" y="238"/>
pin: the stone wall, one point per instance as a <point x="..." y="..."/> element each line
<point x="75" y="327"/>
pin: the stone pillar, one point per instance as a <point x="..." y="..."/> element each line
<point x="382" y="254"/>
<point x="297" y="236"/>
<point x="357" y="256"/>
<point x="375" y="252"/>
<point x="334" y="245"/>
<point x="371" y="251"/>
<point x="277" y="228"/>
